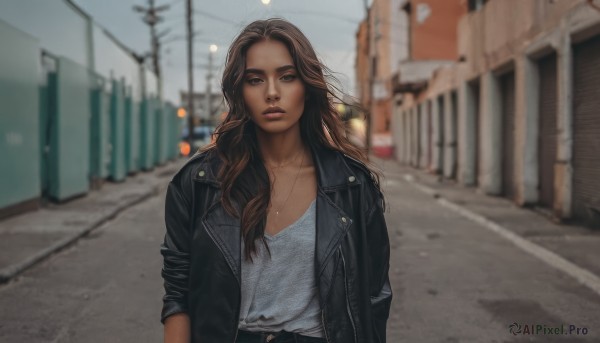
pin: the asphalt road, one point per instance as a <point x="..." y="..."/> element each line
<point x="457" y="282"/>
<point x="453" y="281"/>
<point x="105" y="288"/>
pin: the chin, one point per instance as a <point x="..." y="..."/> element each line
<point x="276" y="127"/>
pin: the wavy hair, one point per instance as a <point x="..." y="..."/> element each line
<point x="246" y="190"/>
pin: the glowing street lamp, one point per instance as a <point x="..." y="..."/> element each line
<point x="266" y="2"/>
<point x="213" y="48"/>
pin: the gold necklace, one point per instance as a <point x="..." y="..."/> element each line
<point x="284" y="164"/>
<point x="294" y="184"/>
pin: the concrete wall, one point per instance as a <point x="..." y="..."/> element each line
<point x="19" y="117"/>
<point x="399" y="22"/>
<point x="433" y="29"/>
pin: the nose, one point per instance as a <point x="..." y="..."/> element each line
<point x="272" y="92"/>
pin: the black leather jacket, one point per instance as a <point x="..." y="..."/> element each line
<point x="202" y="252"/>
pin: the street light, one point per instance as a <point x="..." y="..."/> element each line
<point x="213" y="48"/>
<point x="266" y="2"/>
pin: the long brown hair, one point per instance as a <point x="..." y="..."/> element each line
<point x="244" y="180"/>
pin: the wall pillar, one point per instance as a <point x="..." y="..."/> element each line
<point x="396" y="130"/>
<point x="449" y="162"/>
<point x="491" y="135"/>
<point x="563" y="184"/>
<point x="407" y="137"/>
<point x="527" y="127"/>
<point x="423" y="134"/>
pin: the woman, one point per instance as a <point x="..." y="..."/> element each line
<point x="276" y="232"/>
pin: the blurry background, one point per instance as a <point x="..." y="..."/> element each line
<point x="484" y="116"/>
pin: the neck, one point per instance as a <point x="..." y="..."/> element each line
<point x="280" y="148"/>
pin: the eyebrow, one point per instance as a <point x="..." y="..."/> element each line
<point x="262" y="72"/>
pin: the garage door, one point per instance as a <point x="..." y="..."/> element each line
<point x="586" y="131"/>
<point x="547" y="130"/>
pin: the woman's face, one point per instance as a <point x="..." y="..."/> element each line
<point x="273" y="91"/>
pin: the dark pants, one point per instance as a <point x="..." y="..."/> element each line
<point x="275" y="337"/>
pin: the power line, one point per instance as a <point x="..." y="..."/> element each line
<point x="152" y="18"/>
<point x="190" y="58"/>
<point x="215" y="17"/>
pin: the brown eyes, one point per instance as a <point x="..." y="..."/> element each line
<point x="288" y="77"/>
<point x="255" y="80"/>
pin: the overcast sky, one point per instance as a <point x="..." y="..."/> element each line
<point x="330" y="25"/>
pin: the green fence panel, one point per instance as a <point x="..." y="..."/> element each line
<point x="147" y="135"/>
<point x="174" y="131"/>
<point x="70" y="131"/>
<point x="100" y="154"/>
<point x="169" y="130"/>
<point x="47" y="92"/>
<point x="160" y="143"/>
<point x="132" y="131"/>
<point x="19" y="117"/>
<point x="117" y="125"/>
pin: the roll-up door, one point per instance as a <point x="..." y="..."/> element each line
<point x="507" y="83"/>
<point x="441" y="137"/>
<point x="547" y="130"/>
<point x="477" y="118"/>
<point x="586" y="131"/>
<point x="429" y="135"/>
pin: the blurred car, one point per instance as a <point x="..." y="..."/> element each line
<point x="201" y="137"/>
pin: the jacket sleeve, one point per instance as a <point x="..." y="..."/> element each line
<point x="176" y="250"/>
<point x="379" y="251"/>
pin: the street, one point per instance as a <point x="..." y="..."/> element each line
<point x="105" y="288"/>
<point x="453" y="282"/>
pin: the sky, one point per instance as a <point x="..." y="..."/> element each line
<point x="330" y="25"/>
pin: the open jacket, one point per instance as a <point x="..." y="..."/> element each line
<point x="202" y="252"/>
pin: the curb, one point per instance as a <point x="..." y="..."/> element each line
<point x="7" y="273"/>
<point x="583" y="276"/>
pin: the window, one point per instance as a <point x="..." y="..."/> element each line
<point x="475" y="5"/>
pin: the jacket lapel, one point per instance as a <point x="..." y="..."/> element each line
<point x="332" y="224"/>
<point x="224" y="230"/>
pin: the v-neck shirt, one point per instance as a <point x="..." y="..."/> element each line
<point x="280" y="292"/>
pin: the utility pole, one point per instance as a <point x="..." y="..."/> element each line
<point x="208" y="90"/>
<point x="371" y="77"/>
<point x="209" y="76"/>
<point x="151" y="18"/>
<point x="190" y="98"/>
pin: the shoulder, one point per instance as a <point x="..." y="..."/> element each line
<point x="361" y="170"/>
<point x="367" y="178"/>
<point x="206" y="161"/>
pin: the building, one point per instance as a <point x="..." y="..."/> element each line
<point x="518" y="115"/>
<point x="430" y="33"/>
<point x="405" y="41"/>
<point x="376" y="61"/>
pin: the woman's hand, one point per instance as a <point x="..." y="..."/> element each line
<point x="177" y="328"/>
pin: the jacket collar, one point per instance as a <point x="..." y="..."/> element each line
<point x="332" y="170"/>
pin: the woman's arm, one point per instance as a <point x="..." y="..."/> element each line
<point x="379" y="251"/>
<point x="176" y="261"/>
<point x="177" y="328"/>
